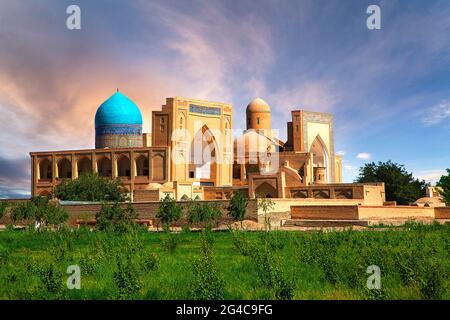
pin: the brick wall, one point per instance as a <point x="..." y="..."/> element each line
<point x="148" y="210"/>
<point x="146" y="195"/>
<point x="398" y="212"/>
<point x="442" y="213"/>
<point x="329" y="212"/>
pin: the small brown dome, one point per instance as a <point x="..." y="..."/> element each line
<point x="258" y="105"/>
<point x="430" y="202"/>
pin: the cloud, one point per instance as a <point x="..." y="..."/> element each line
<point x="363" y="156"/>
<point x="14" y="178"/>
<point x="314" y="95"/>
<point x="431" y="176"/>
<point x="341" y="153"/>
<point x="437" y="113"/>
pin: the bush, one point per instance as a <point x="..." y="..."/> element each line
<point x="204" y="214"/>
<point x="238" y="206"/>
<point x="40" y="210"/>
<point x="149" y="261"/>
<point x="3" y="206"/>
<point x="274" y="240"/>
<point x="50" y="277"/>
<point x="91" y="187"/>
<point x="169" y="242"/>
<point x="89" y="263"/>
<point x="115" y="218"/>
<point x="126" y="278"/>
<point x="208" y="284"/>
<point x="241" y="243"/>
<point x="4" y="255"/>
<point x="271" y="274"/>
<point x="169" y="211"/>
<point x="434" y="281"/>
<point x="444" y="184"/>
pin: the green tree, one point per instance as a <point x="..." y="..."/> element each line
<point x="116" y="218"/>
<point x="91" y="187"/>
<point x="3" y="206"/>
<point x="41" y="211"/>
<point x="400" y="185"/>
<point x="203" y="213"/>
<point x="444" y="183"/>
<point x="169" y="211"/>
<point x="266" y="205"/>
<point x="238" y="206"/>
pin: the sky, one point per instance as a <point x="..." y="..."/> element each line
<point x="388" y="89"/>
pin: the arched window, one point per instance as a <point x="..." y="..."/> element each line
<point x="84" y="166"/>
<point x="45" y="169"/>
<point x="320" y="156"/>
<point x="104" y="167"/>
<point x="142" y="166"/>
<point x="64" y="169"/>
<point x="123" y="166"/>
<point x="265" y="190"/>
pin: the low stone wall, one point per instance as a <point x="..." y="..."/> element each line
<point x="148" y="210"/>
<point x="398" y="212"/>
<point x="325" y="212"/>
<point x="442" y="212"/>
<point x="353" y="212"/>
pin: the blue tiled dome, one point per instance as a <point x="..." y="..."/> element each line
<point x="118" y="109"/>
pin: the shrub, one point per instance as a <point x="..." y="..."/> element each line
<point x="170" y="242"/>
<point x="4" y="255"/>
<point x="238" y="206"/>
<point x="241" y="243"/>
<point x="169" y="211"/>
<point x="50" y="277"/>
<point x="271" y="274"/>
<point x="126" y="278"/>
<point x="149" y="261"/>
<point x="434" y="280"/>
<point x="266" y="205"/>
<point x="40" y="210"/>
<point x="274" y="240"/>
<point x="89" y="263"/>
<point x="208" y="284"/>
<point x="115" y="218"/>
<point x="444" y="184"/>
<point x="3" y="206"/>
<point x="204" y="214"/>
<point x="91" y="187"/>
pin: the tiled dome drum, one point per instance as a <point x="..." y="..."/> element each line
<point x="118" y="123"/>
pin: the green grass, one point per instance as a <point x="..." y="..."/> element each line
<point x="414" y="264"/>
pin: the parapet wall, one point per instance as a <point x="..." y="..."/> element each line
<point x="148" y="210"/>
<point x="354" y="212"/>
<point x="343" y="212"/>
<point x="402" y="212"/>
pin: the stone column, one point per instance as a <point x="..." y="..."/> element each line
<point x="94" y="162"/>
<point x="55" y="173"/>
<point x="74" y="166"/>
<point x="114" y="165"/>
<point x="132" y="165"/>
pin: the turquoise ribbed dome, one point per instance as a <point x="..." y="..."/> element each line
<point x="118" y="109"/>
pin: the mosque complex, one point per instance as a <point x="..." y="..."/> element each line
<point x="193" y="152"/>
<point x="166" y="160"/>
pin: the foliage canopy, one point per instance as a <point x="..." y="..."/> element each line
<point x="90" y="187"/>
<point x="400" y="185"/>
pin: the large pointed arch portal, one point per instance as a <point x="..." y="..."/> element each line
<point x="320" y="156"/>
<point x="204" y="155"/>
